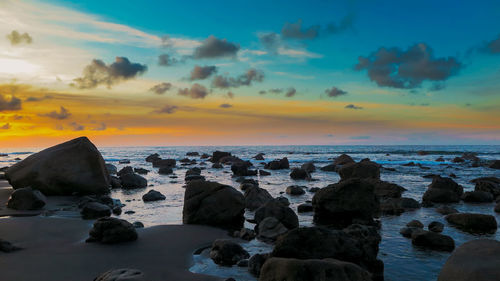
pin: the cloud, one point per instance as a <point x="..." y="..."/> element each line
<point x="101" y="127"/>
<point x="166" y="60"/>
<point x="493" y="46"/>
<point x="161" y="88"/>
<point x="271" y="41"/>
<point x="335" y="92"/>
<point x="360" y="137"/>
<point x="34" y="99"/>
<point x="437" y="87"/>
<point x="76" y="127"/>
<point x="202" y="72"/>
<point x="197" y="91"/>
<point x="352" y="106"/>
<point x="17" y="38"/>
<point x="12" y="104"/>
<point x="62" y="114"/>
<point x="167" y="109"/>
<point x="275" y="45"/>
<point x="290" y="92"/>
<point x="97" y="73"/>
<point x="230" y="95"/>
<point x="262" y="92"/>
<point x="295" y="31"/>
<point x="5" y="126"/>
<point x="245" y="79"/>
<point x="393" y="67"/>
<point x="344" y="24"/>
<point x="225" y="105"/>
<point x="215" y="48"/>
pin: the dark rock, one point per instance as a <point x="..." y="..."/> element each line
<point x="141" y="171"/>
<point x="125" y="170"/>
<point x="385" y="189"/>
<point x="256" y="197"/>
<point x="26" y="199"/>
<point x="242" y="263"/>
<point x="7" y="247"/>
<point x="397" y="206"/>
<point x="115" y="182"/>
<point x="165" y="170"/>
<point x="256" y="262"/>
<point x="138" y="224"/>
<point x="217" y="166"/>
<point x="241" y="169"/>
<point x="278" y="164"/>
<point x="270" y="228"/>
<point x="495" y="164"/>
<point x="433" y="241"/>
<point x="443" y="190"/>
<point x="415" y="223"/>
<point x="112" y="170"/>
<point x="314" y="189"/>
<point x="204" y="156"/>
<point x="124" y="161"/>
<point x="283" y="200"/>
<point x="158" y="163"/>
<point x="259" y="157"/>
<point x="280" y="211"/>
<point x="308" y="167"/>
<point x="473" y="223"/>
<point x="153" y="157"/>
<point x="299" y="174"/>
<point x="477" y="197"/>
<point x="295" y="190"/>
<point x="132" y="181"/>
<point x="95" y="210"/>
<point x="363" y="170"/>
<point x="75" y="166"/>
<point x="305" y="207"/>
<point x="112" y="230"/>
<point x="192" y="153"/>
<point x="436" y="226"/>
<point x="422" y="152"/>
<point x="153" y="195"/>
<point x="193" y="172"/>
<point x="190" y="178"/>
<point x="247" y="234"/>
<point x="227" y="253"/>
<point x="123" y="274"/>
<point x="440" y="159"/>
<point x="446" y="210"/>
<point x="497" y="208"/>
<point x="212" y="203"/>
<point x="458" y="160"/>
<point x="488" y="184"/>
<point x="408" y="231"/>
<point x="343" y="160"/>
<point x="263" y="173"/>
<point x="117" y="210"/>
<point x="217" y="155"/>
<point x="476" y="260"/>
<point x="343" y="203"/>
<point x="328" y="168"/>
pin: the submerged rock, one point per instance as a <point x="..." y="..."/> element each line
<point x="295" y="190"/>
<point x="300" y="174"/>
<point x="227" y="253"/>
<point x="112" y="230"/>
<point x="432" y="240"/>
<point x="26" y="199"/>
<point x="436" y="226"/>
<point x="122" y="274"/>
<point x="488" y="184"/>
<point x="473" y="223"/>
<point x="477" y="197"/>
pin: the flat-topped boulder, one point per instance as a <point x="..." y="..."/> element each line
<point x="75" y="166"/>
<point x="362" y="170"/>
<point x="278" y="164"/>
<point x="473" y="223"/>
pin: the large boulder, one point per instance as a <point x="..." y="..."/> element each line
<point x="256" y="262"/>
<point x="300" y="174"/>
<point x="432" y="240"/>
<point x="26" y="199"/>
<point x="270" y="228"/>
<point x="312" y="270"/>
<point x="226" y="252"/>
<point x="295" y="190"/>
<point x="278" y="164"/>
<point x="275" y="208"/>
<point x="385" y="189"/>
<point x="308" y="167"/>
<point x="112" y="170"/>
<point x="397" y="206"/>
<point x="217" y="155"/>
<point x="363" y="170"/>
<point x="477" y="197"/>
<point x="343" y="160"/>
<point x="75" y="166"/>
<point x="476" y="260"/>
<point x="256" y="197"/>
<point x="240" y="169"/>
<point x="133" y="181"/>
<point x="488" y="184"/>
<point x="443" y="190"/>
<point x="122" y="274"/>
<point x="473" y="223"/>
<point x="109" y="230"/>
<point x="212" y="203"/>
<point x="345" y="203"/>
<point x="158" y="163"/>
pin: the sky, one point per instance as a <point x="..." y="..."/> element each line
<point x="137" y="73"/>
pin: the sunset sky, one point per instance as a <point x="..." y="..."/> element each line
<point x="249" y="72"/>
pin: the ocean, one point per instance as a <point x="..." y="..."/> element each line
<point x="403" y="262"/>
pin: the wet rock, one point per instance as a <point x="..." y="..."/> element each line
<point x="138" y="224"/>
<point x="433" y="241"/>
<point x="477" y="197"/>
<point x="242" y="263"/>
<point x="305" y="207"/>
<point x="443" y="190"/>
<point x="153" y="195"/>
<point x="446" y="210"/>
<point x="193" y="171"/>
<point x="125" y="170"/>
<point x="212" y="203"/>
<point x="422" y="152"/>
<point x="217" y="166"/>
<point x="278" y="164"/>
<point x="112" y="230"/>
<point x="112" y="170"/>
<point x="458" y="160"/>
<point x="165" y="170"/>
<point x="385" y="189"/>
<point x="7" y="247"/>
<point x="158" y="163"/>
<point x="26" y="199"/>
<point x="312" y="270"/>
<point x="495" y="164"/>
<point x="115" y="182"/>
<point x="308" y="167"/>
<point x="488" y="184"/>
<point x="153" y="157"/>
<point x="314" y="189"/>
<point x="122" y="274"/>
<point x="473" y="223"/>
<point x="497" y="208"/>
<point x="241" y="169"/>
<point x="263" y="173"/>
<point x="299" y="174"/>
<point x="415" y="223"/>
<point x="343" y="160"/>
<point x="280" y="211"/>
<point x="133" y="181"/>
<point x="116" y="210"/>
<point x="436" y="226"/>
<point x="256" y="262"/>
<point x="408" y="231"/>
<point x="141" y="171"/>
<point x="95" y="210"/>
<point x="204" y="156"/>
<point x="192" y="153"/>
<point x="283" y="200"/>
<point x="295" y="190"/>
<point x="194" y="178"/>
<point x="397" y="206"/>
<point x="217" y="155"/>
<point x="328" y="168"/>
<point x="409" y="164"/>
<point x="247" y="234"/>
<point x="476" y="260"/>
<point x="363" y="170"/>
<point x="259" y="157"/>
<point x="440" y="159"/>
<point x="270" y="228"/>
<point x="256" y="197"/>
<point x="75" y="166"/>
<point x="346" y="202"/>
<point x="227" y="253"/>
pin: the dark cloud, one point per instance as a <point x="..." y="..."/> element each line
<point x="352" y="106"/>
<point x="161" y="88"/>
<point x="290" y="92"/>
<point x="167" y="109"/>
<point x="246" y="79"/>
<point x="493" y="46"/>
<point x="262" y="92"/>
<point x="97" y="73"/>
<point x="5" y="126"/>
<point x="62" y="114"/>
<point x="196" y="91"/>
<point x="202" y="72"/>
<point x="166" y="60"/>
<point x="34" y="99"/>
<point x="360" y="137"/>
<point x="276" y="91"/>
<point x="101" y="127"/>
<point x="344" y="24"/>
<point x="437" y="87"/>
<point x="393" y="67"/>
<point x="17" y="38"/>
<point x="216" y="48"/>
<point x="9" y="104"/>
<point x="76" y="127"/>
<point x="225" y="105"/>
<point x="335" y="92"/>
<point x="295" y="31"/>
<point x="271" y="41"/>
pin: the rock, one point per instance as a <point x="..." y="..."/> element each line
<point x="117" y="210"/>
<point x="328" y="168"/>
<point x="488" y="184"/>
<point x="497" y="208"/>
<point x="112" y="170"/>
<point x="115" y="182"/>
<point x="204" y="156"/>
<point x="477" y="197"/>
<point x="241" y="169"/>
<point x="193" y="172"/>
<point x="295" y="190"/>
<point x="283" y="200"/>
<point x="125" y="170"/>
<point x="439" y="159"/>
<point x="256" y="262"/>
<point x="308" y="167"/>
<point x="123" y="274"/>
<point x="436" y="226"/>
<point x="153" y="195"/>
<point x="165" y="170"/>
<point x="26" y="199"/>
<point x="363" y="170"/>
<point x="385" y="189"/>
<point x="192" y="153"/>
<point x="242" y="263"/>
<point x="305" y="207"/>
<point x="132" y="181"/>
<point x="259" y="157"/>
<point x="476" y="260"/>
<point x="408" y="231"/>
<point x="473" y="223"/>
<point x="138" y="224"/>
<point x="278" y="164"/>
<point x="495" y="164"/>
<point x="95" y="210"/>
<point x="141" y="171"/>
<point x="299" y="174"/>
<point x="280" y="211"/>
<point x="247" y="234"/>
<point x="446" y="210"/>
<point x="312" y="270"/>
<point x="227" y="253"/>
<point x="343" y="160"/>
<point x="7" y="247"/>
<point x="314" y="189"/>
<point x="212" y="203"/>
<point x="124" y="161"/>
<point x="217" y="166"/>
<point x="75" y="166"/>
<point x="158" y="163"/>
<point x="415" y="223"/>
<point x="397" y="206"/>
<point x="422" y="152"/>
<point x="433" y="241"/>
<point x="217" y="155"/>
<point x="256" y="197"/>
<point x="346" y="202"/>
<point x="153" y="157"/>
<point x="443" y="190"/>
<point x="458" y="160"/>
<point x="112" y="230"/>
<point x="263" y="173"/>
<point x="190" y="178"/>
<point x="270" y="228"/>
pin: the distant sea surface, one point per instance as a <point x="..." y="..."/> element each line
<point x="403" y="262"/>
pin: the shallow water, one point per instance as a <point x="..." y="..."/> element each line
<point x="402" y="260"/>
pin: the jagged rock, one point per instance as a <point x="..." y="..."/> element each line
<point x="256" y="197"/>
<point x="300" y="174"/>
<point x="153" y="157"/>
<point x="278" y="164"/>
